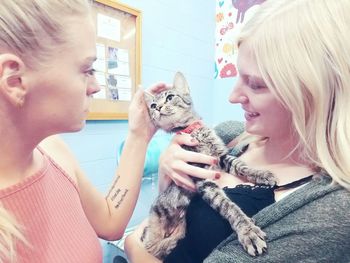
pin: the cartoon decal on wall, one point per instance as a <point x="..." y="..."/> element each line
<point x="242" y="6"/>
<point x="230" y="16"/>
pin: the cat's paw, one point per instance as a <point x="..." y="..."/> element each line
<point x="252" y="239"/>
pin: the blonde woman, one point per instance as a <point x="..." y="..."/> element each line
<point x="294" y="87"/>
<point x="49" y="211"/>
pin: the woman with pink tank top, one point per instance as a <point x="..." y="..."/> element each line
<point x="49" y="211"/>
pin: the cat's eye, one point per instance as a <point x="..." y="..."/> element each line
<point x="169" y="97"/>
<point x="153" y="106"/>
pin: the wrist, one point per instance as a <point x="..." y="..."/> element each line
<point x="145" y="136"/>
<point x="138" y="139"/>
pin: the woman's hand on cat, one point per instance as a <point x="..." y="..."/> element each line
<point x="139" y="121"/>
<point x="174" y="164"/>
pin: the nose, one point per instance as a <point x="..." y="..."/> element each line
<point x="237" y="95"/>
<point x="92" y="87"/>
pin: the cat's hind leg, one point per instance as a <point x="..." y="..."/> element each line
<point x="167" y="222"/>
<point x="158" y="239"/>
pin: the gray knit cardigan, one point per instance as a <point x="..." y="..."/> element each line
<point x="311" y="224"/>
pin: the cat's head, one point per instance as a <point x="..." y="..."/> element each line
<point x="172" y="108"/>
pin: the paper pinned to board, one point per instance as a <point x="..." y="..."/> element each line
<point x="108" y="27"/>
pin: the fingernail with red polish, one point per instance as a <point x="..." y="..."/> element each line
<point x="217" y="176"/>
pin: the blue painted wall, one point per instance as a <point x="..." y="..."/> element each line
<point x="223" y="110"/>
<point x="176" y="35"/>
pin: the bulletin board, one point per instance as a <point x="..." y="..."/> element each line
<point x="118" y="63"/>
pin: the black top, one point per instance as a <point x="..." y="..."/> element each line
<point x="206" y="228"/>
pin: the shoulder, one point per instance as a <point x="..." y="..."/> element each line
<point x="321" y="208"/>
<point x="59" y="152"/>
<point x="321" y="202"/>
<point x="325" y="193"/>
<point x="321" y="198"/>
<point x="333" y="206"/>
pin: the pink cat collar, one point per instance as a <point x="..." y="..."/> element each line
<point x="191" y="128"/>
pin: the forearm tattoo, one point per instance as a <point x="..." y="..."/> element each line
<point x="113" y="186"/>
<point x="121" y="199"/>
<point x="116" y="194"/>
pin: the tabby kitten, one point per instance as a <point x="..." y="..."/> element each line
<point x="172" y="111"/>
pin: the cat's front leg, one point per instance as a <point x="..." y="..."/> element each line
<point x="233" y="165"/>
<point x="249" y="235"/>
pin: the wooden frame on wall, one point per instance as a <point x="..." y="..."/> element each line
<point x="118" y="64"/>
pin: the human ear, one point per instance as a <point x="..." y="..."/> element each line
<point x="11" y="74"/>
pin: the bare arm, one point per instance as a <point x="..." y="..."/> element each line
<point x="110" y="215"/>
<point x="134" y="249"/>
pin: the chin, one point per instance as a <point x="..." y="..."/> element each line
<point x="78" y="127"/>
<point x="252" y="129"/>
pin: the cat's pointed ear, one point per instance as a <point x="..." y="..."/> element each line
<point x="148" y="97"/>
<point x="180" y="83"/>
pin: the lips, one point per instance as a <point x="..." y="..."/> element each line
<point x="250" y="115"/>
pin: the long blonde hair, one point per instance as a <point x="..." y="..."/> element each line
<point x="302" y="48"/>
<point x="32" y="30"/>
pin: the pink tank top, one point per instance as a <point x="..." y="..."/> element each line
<point x="47" y="205"/>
